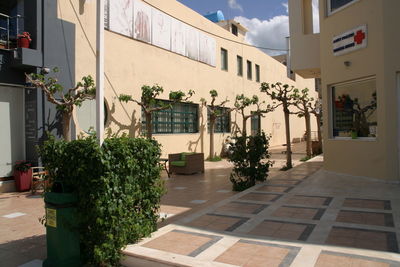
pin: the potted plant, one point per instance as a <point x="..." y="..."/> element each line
<point x="22" y="175"/>
<point x="24" y="40"/>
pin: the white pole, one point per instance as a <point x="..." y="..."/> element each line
<point x="100" y="71"/>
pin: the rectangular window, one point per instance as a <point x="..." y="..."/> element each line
<point x="249" y="70"/>
<point x="234" y="29"/>
<point x="334" y="5"/>
<point x="257" y="73"/>
<point x="354" y="109"/>
<point x="181" y="118"/>
<point x="223" y="123"/>
<point x="255" y="125"/>
<point x="239" y="66"/>
<point x="224" y="59"/>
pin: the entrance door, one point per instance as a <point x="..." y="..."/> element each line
<point x="11" y="128"/>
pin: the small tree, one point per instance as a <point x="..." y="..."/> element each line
<point x="303" y="102"/>
<point x="283" y="94"/>
<point x="151" y="104"/>
<point x="65" y="101"/>
<point x="317" y="111"/>
<point x="215" y="112"/>
<point x="242" y="102"/>
<point x="250" y="157"/>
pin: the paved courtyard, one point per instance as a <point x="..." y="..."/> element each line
<point x="303" y="217"/>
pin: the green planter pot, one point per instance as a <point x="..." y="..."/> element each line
<point x="354" y="135"/>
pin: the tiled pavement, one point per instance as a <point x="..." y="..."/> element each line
<point x="304" y="217"/>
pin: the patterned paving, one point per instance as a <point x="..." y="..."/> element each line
<point x="274" y="224"/>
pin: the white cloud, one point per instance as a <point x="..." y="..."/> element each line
<point x="315" y="8"/>
<point x="270" y="33"/>
<point x="234" y="5"/>
<point x="286" y="6"/>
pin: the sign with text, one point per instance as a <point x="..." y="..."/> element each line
<point x="350" y="41"/>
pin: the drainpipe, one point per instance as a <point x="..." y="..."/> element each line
<point x="100" y="71"/>
<point x="288" y="59"/>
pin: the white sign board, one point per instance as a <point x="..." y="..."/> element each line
<point x="350" y="41"/>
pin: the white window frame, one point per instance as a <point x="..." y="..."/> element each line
<point x="329" y="9"/>
<point x="330" y="107"/>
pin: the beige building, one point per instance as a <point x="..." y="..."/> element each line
<point x="356" y="56"/>
<point x="146" y="54"/>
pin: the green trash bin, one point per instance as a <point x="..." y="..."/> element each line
<point x="61" y="230"/>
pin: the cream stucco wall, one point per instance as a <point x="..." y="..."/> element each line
<point x="129" y="64"/>
<point x="378" y="157"/>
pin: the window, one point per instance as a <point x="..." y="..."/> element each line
<point x="249" y="70"/>
<point x="234" y="29"/>
<point x="181" y="118"/>
<point x="223" y="123"/>
<point x="239" y="66"/>
<point x="354" y="109"/>
<point x="224" y="59"/>
<point x="334" y="5"/>
<point x="257" y="73"/>
<point x="255" y="125"/>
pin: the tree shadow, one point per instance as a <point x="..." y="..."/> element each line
<point x="193" y="145"/>
<point x="133" y="128"/>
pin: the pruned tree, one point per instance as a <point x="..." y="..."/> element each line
<point x="242" y="102"/>
<point x="65" y="100"/>
<point x="304" y="103"/>
<point x="215" y="111"/>
<point x="317" y="111"/>
<point x="282" y="93"/>
<point x="150" y="104"/>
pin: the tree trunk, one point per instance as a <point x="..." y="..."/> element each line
<point x="319" y="130"/>
<point x="244" y="128"/>
<point x="289" y="164"/>
<point x="66" y="124"/>
<point x="212" y="127"/>
<point x="308" y="134"/>
<point x="149" y="126"/>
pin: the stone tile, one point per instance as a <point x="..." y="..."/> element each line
<point x="174" y="242"/>
<point x="276" y="189"/>
<point x="264" y="197"/>
<point x="361" y="238"/>
<point x="335" y="259"/>
<point x="299" y="213"/>
<point x="283" y="182"/>
<point x="368" y="218"/>
<point x="283" y="230"/>
<point x="216" y="222"/>
<point x="252" y="254"/>
<point x="367" y="203"/>
<point x="241" y="207"/>
<point x="309" y="200"/>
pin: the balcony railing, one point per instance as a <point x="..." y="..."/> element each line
<point x="9" y="30"/>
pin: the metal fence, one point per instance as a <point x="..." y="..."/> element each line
<point x="9" y="30"/>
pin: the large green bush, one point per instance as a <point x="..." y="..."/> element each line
<point x="250" y="157"/>
<point x="118" y="187"/>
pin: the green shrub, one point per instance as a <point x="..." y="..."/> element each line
<point x="118" y="187"/>
<point x="250" y="157"/>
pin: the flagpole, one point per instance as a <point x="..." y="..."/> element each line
<point x="100" y="71"/>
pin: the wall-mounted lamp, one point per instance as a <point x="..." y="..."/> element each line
<point x="347" y="63"/>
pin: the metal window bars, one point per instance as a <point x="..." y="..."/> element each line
<point x="5" y="31"/>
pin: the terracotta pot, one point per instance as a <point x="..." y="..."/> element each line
<point x="23" y="180"/>
<point x="23" y="42"/>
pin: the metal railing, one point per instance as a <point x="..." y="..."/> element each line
<point x="5" y="32"/>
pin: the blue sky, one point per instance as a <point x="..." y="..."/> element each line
<point x="261" y="9"/>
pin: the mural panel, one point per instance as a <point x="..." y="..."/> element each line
<point x="207" y="49"/>
<point x="192" y="43"/>
<point x="161" y="30"/>
<point x="178" y="37"/>
<point x="142" y="21"/>
<point x="120" y="14"/>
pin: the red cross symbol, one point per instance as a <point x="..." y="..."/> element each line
<point x="359" y="37"/>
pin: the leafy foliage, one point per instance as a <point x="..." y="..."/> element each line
<point x="118" y="187"/>
<point x="22" y="166"/>
<point x="65" y="100"/>
<point x="250" y="157"/>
